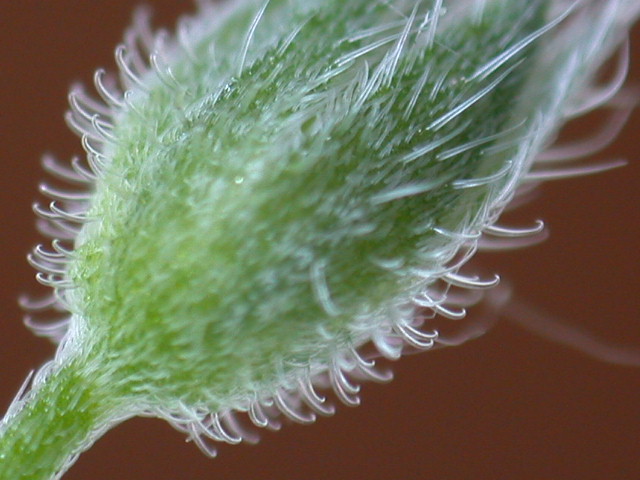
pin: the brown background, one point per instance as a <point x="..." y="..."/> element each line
<point x="506" y="406"/>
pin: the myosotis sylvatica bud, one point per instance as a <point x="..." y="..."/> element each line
<point x="278" y="187"/>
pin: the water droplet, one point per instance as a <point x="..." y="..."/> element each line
<point x="238" y="180"/>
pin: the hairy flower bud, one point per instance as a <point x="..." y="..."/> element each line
<point x="280" y="185"/>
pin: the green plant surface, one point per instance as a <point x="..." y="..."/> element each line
<point x="210" y="273"/>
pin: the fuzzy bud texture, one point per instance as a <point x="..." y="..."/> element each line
<point x="279" y="185"/>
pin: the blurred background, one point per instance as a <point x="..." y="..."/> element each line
<point x="508" y="405"/>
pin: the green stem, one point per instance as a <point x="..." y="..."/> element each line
<point x="58" y="419"/>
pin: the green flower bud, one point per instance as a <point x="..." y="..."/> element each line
<point x="281" y="185"/>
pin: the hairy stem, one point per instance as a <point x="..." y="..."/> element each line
<point x="59" y="418"/>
